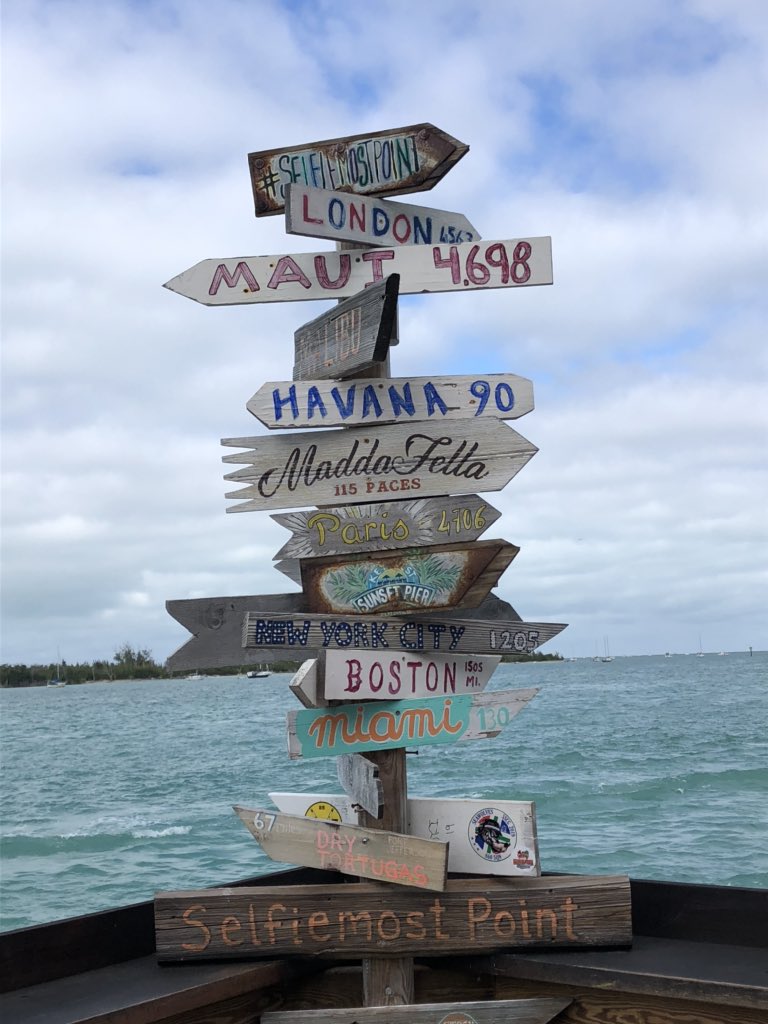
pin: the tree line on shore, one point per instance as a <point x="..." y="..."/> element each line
<point x="137" y="663"/>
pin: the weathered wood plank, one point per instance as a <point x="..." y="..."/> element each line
<point x="386" y="725"/>
<point x="307" y="684"/>
<point x="343" y="216"/>
<point x="295" y="470"/>
<point x="307" y="276"/>
<point x="353" y="336"/>
<point x="371" y="675"/>
<point x="385" y="525"/>
<point x="347" y="921"/>
<point x="395" y="632"/>
<point x="389" y="163"/>
<point x="373" y="401"/>
<point x="500" y="1011"/>
<point x="428" y="579"/>
<point x="477" y="830"/>
<point x="360" y="780"/>
<point x="350" y="849"/>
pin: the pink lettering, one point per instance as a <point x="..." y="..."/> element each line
<point x="321" y="269"/>
<point x="375" y="256"/>
<point x="287" y="271"/>
<point x="230" y="280"/>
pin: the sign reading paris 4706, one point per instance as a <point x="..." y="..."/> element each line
<point x="510" y="263"/>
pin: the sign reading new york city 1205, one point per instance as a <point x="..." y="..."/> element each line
<point x="293" y="471"/>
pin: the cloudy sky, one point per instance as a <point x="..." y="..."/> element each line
<point x="634" y="134"/>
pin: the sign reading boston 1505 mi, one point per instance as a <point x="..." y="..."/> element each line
<point x="342" y="217"/>
<point x="352" y="336"/>
<point x="404" y="399"/>
<point x="398" y="723"/>
<point x="390" y="162"/>
<point x="296" y="470"/>
<point x="511" y="263"/>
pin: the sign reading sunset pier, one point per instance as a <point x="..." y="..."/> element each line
<point x="391" y="524"/>
<point x="508" y="263"/>
<point x="294" y="470"/>
<point x="405" y="399"/>
<point x="389" y="162"/>
<point x="346" y="217"/>
<point x="352" y="728"/>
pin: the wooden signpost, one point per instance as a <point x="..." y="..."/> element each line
<point x="392" y="524"/>
<point x="346" y="217"/>
<point x="351" y="337"/>
<point x="394" y="632"/>
<point x="422" y="459"/>
<point x="370" y="675"/>
<point x="360" y="779"/>
<point x="349" y="921"/>
<point x="277" y="405"/>
<point x="305" y="276"/>
<point x="493" y="837"/>
<point x="387" y="725"/>
<point x="444" y="576"/>
<point x="382" y="856"/>
<point x="387" y="163"/>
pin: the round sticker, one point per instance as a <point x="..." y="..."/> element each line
<point x="492" y="834"/>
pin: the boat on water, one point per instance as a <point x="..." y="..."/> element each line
<point x="699" y="954"/>
<point x="260" y="673"/>
<point x="55" y="682"/>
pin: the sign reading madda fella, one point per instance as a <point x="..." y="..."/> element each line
<point x="387" y="563"/>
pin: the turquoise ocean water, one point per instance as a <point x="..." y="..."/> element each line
<point x="654" y="767"/>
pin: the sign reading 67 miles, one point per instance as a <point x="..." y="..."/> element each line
<point x="511" y="263"/>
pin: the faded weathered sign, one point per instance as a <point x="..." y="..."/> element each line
<point x="389" y="162"/>
<point x="371" y="675"/>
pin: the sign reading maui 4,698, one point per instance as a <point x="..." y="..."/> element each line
<point x="296" y="470"/>
<point x="405" y="399"/>
<point x="388" y="162"/>
<point x="511" y="263"/>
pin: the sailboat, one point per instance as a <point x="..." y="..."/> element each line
<point x="607" y="655"/>
<point x="57" y="679"/>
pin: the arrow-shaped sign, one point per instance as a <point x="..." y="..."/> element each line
<point x="445" y="633"/>
<point x="352" y="728"/>
<point x="319" y="403"/>
<point x="389" y="525"/>
<point x="446" y="576"/>
<point x="351" y="337"/>
<point x="345" y="217"/>
<point x="476" y="848"/>
<point x="368" y="853"/>
<point x="370" y="675"/>
<point x="296" y="470"/>
<point x="390" y="162"/>
<point x="508" y="263"/>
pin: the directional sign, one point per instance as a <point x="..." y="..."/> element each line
<point x="383" y="856"/>
<point x="316" y="403"/>
<point x="369" y="675"/>
<point x="491" y="1011"/>
<point x="509" y="263"/>
<point x="352" y="728"/>
<point x="296" y="470"/>
<point x="307" y="684"/>
<point x="345" y="217"/>
<point x="350" y="921"/>
<point x="377" y="527"/>
<point x="360" y="780"/>
<point x="216" y="624"/>
<point x="410" y="159"/>
<point x="476" y="847"/>
<point x="417" y="579"/>
<point x="394" y="632"/>
<point x="349" y="338"/>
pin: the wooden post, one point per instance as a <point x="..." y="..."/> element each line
<point x="387" y="981"/>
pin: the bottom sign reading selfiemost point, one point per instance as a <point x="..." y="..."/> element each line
<point x="386" y="725"/>
<point x="486" y="837"/>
